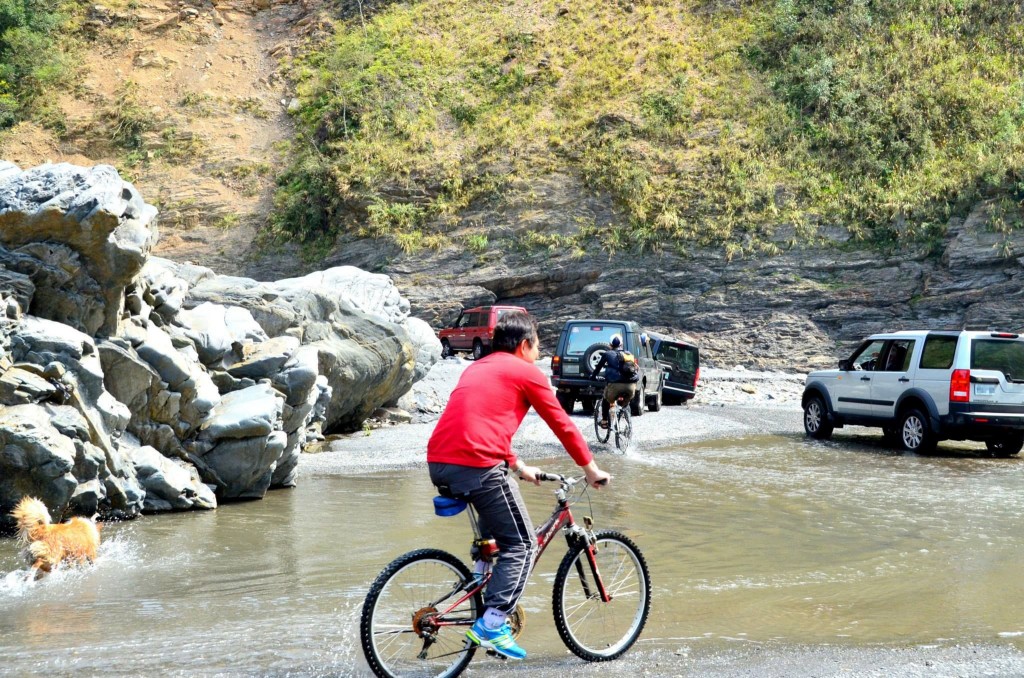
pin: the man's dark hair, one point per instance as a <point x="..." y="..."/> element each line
<point x="511" y="329"/>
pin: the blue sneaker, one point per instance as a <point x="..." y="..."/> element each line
<point x="500" y="640"/>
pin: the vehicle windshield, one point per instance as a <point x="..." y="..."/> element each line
<point x="680" y="357"/>
<point x="581" y="337"/>
<point x="999" y="355"/>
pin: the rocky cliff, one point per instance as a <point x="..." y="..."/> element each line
<point x="797" y="310"/>
<point x="130" y="383"/>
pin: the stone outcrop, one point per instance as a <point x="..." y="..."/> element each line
<point x="797" y="310"/>
<point x="81" y="234"/>
<point x="133" y="384"/>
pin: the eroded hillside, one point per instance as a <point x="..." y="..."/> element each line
<point x="187" y="101"/>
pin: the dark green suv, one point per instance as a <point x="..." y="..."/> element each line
<point x="579" y="349"/>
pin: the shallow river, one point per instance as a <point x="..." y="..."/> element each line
<point x="758" y="541"/>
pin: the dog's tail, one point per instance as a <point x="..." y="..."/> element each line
<point x="30" y="514"/>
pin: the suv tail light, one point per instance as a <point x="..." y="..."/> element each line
<point x="960" y="387"/>
<point x="556" y="365"/>
<point x="696" y="377"/>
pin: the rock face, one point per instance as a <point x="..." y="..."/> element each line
<point x="133" y="384"/>
<point x="798" y="310"/>
<point x="104" y="229"/>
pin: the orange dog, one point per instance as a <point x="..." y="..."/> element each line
<point x="48" y="545"/>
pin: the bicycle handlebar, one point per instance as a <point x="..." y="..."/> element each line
<point x="555" y="477"/>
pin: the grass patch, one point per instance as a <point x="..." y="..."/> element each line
<point x="35" y="56"/>
<point x="708" y="124"/>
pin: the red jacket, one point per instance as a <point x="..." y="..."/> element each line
<point x="486" y="409"/>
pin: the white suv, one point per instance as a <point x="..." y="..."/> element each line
<point x="921" y="387"/>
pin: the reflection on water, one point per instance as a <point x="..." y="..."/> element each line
<point x="755" y="540"/>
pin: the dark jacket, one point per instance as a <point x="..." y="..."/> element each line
<point x="611" y="360"/>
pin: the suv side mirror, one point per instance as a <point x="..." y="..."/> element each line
<point x="844" y="365"/>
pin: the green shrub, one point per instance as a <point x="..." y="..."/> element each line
<point x="32" y="58"/>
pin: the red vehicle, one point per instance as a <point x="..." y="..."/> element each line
<point x="473" y="330"/>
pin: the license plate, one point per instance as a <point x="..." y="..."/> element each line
<point x="571" y="369"/>
<point x="984" y="389"/>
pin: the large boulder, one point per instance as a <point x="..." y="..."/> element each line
<point x="88" y="232"/>
<point x="369" y="348"/>
<point x="35" y="460"/>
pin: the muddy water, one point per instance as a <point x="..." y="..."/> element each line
<point x="766" y="540"/>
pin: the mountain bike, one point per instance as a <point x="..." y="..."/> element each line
<point x="621" y="424"/>
<point x="415" y="617"/>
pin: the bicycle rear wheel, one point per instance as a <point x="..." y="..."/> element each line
<point x="601" y="433"/>
<point x="624" y="430"/>
<point x="406" y="628"/>
<point x="591" y="628"/>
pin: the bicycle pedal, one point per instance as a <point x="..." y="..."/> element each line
<point x="492" y="653"/>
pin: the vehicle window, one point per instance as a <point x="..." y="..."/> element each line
<point x="503" y="311"/>
<point x="682" y="357"/>
<point x="462" y="320"/>
<point x="474" y="319"/>
<point x="582" y="336"/>
<point x="867" y="357"/>
<point x="938" y="353"/>
<point x="898" y="357"/>
<point x="1000" y="355"/>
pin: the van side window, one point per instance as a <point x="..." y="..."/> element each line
<point x="474" y="319"/>
<point x="938" y="353"/>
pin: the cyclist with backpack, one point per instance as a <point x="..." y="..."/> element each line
<point x="622" y="374"/>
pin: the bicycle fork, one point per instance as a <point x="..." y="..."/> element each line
<point x="591" y="551"/>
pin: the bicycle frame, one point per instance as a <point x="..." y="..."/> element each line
<point x="561" y="519"/>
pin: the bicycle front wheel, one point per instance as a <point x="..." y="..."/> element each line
<point x="409" y="627"/>
<point x="601" y="433"/>
<point x="593" y="629"/>
<point x="624" y="430"/>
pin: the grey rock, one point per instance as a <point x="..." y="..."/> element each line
<point x="35" y="459"/>
<point x="243" y="468"/>
<point x="265" y="358"/>
<point x="90" y="210"/>
<point x="255" y="411"/>
<point x="170" y="484"/>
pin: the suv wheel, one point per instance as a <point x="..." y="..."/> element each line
<point x="916" y="433"/>
<point x="478" y="349"/>
<point x="816" y="423"/>
<point x="637" y="404"/>
<point x="566" y="401"/>
<point x="654" y="401"/>
<point x="1006" y="446"/>
<point x="446" y="348"/>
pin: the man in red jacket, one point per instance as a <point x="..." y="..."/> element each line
<point x="470" y="453"/>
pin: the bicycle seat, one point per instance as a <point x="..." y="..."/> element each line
<point x="447" y="506"/>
